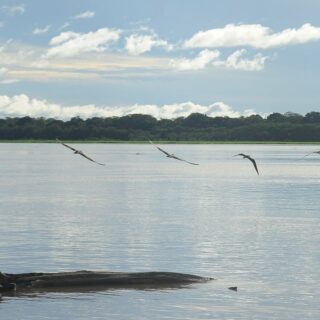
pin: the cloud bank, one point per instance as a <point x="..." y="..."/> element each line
<point x="22" y="105"/>
<point x="254" y="35"/>
<point x="100" y="54"/>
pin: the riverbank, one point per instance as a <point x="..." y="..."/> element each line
<point x="165" y="142"/>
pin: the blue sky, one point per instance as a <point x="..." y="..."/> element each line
<point x="165" y="58"/>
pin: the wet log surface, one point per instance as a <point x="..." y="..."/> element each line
<point x="87" y="279"/>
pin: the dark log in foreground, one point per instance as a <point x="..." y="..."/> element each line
<point x="51" y="281"/>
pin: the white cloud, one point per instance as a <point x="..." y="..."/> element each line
<point x="254" y="35"/>
<point x="85" y="15"/>
<point x="63" y="37"/>
<point x="200" y="62"/>
<point x="137" y="44"/>
<point x="22" y="105"/>
<point x="69" y="44"/>
<point x="13" y="10"/>
<point x="236" y="62"/>
<point x="37" y="31"/>
<point x="210" y="57"/>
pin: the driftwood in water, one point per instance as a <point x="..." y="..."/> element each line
<point x="50" y="281"/>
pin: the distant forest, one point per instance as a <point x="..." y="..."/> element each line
<point x="196" y="127"/>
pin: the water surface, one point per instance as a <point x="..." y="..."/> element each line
<point x="145" y="212"/>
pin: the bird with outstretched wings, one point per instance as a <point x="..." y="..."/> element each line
<point x="172" y="156"/>
<point x="75" y="151"/>
<point x="245" y="156"/>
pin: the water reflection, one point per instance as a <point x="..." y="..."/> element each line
<point x="70" y="291"/>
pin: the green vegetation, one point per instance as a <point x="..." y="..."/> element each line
<point x="288" y="127"/>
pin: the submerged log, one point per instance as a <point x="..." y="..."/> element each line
<point x="49" y="281"/>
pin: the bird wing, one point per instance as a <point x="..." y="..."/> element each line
<point x="311" y="153"/>
<point x="239" y="154"/>
<point x="194" y="164"/>
<point x="85" y="156"/>
<point x="165" y="152"/>
<point x="307" y="154"/>
<point x="73" y="149"/>
<point x="254" y="164"/>
<point x="177" y="158"/>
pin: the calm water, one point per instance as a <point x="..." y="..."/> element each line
<point x="145" y="212"/>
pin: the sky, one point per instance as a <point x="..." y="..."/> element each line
<point x="167" y="58"/>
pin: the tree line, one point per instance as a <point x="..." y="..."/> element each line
<point x="196" y="127"/>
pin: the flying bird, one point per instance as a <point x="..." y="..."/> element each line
<point x="245" y="156"/>
<point x="75" y="151"/>
<point x="172" y="156"/>
<point x="317" y="152"/>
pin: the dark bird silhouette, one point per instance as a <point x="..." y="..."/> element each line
<point x="316" y="152"/>
<point x="75" y="151"/>
<point x="245" y="156"/>
<point x="171" y="155"/>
